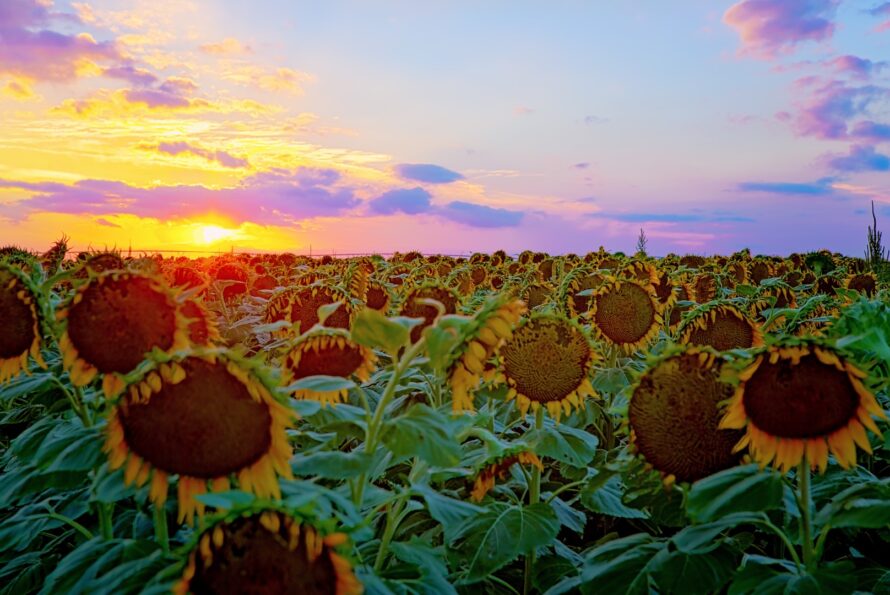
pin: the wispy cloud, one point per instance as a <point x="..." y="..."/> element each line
<point x="224" y="158"/>
<point x="859" y="158"/>
<point x="480" y="215"/>
<point x="411" y="201"/>
<point x="227" y="47"/>
<point x="821" y="187"/>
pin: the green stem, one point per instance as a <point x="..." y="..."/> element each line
<point x="564" y="488"/>
<point x="105" y="526"/>
<point x="393" y="518"/>
<point x="161" y="533"/>
<point x="534" y="497"/>
<point x="373" y="430"/>
<point x="76" y="400"/>
<point x="806" y="528"/>
<point x="790" y="546"/>
<point x="70" y="522"/>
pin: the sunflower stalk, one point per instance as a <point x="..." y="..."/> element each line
<point x="534" y="496"/>
<point x="804" y="502"/>
<point x="161" y="532"/>
<point x="106" y="528"/>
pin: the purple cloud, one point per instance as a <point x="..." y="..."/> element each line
<point x="273" y="198"/>
<point x="771" y="27"/>
<point x="480" y="215"/>
<point x="873" y="131"/>
<point x="427" y="172"/>
<point x="827" y="110"/>
<point x="860" y="158"/>
<point x="411" y="201"/>
<point x="30" y="50"/>
<point x="860" y="68"/>
<point x="222" y="157"/>
<point x="132" y="74"/>
<point x="821" y="187"/>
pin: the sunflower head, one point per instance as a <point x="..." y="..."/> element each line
<point x="268" y="551"/>
<point x="574" y="283"/>
<point x="202" y="329"/>
<point x="480" y="340"/>
<point x="865" y="283"/>
<point x="112" y="321"/>
<point x="207" y="416"/>
<point x="536" y="294"/>
<point x="19" y="309"/>
<point x="674" y="415"/>
<point x="306" y="302"/>
<point x="412" y="308"/>
<point x="721" y="326"/>
<point x="801" y="398"/>
<point x="625" y="314"/>
<point x="759" y="270"/>
<point x="498" y="467"/>
<point x="547" y="363"/>
<point x="327" y="352"/>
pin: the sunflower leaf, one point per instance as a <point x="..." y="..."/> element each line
<point x="740" y="489"/>
<point x="424" y="432"/>
<point x="372" y="329"/>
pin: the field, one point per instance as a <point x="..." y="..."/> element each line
<point x="596" y="423"/>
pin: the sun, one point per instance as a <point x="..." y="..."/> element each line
<point x="210" y="234"/>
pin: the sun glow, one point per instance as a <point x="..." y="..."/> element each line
<point x="211" y="234"/>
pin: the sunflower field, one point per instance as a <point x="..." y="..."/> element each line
<point x="429" y="424"/>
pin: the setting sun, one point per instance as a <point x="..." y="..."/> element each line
<point x="210" y="234"/>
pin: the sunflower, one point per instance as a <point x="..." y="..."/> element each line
<point x="575" y="283"/>
<point x="673" y="416"/>
<point x="377" y="296"/>
<point x="307" y="301"/>
<point x="498" y="469"/>
<point x="536" y="294"/>
<point x="202" y="329"/>
<point x="491" y="326"/>
<point x="267" y="552"/>
<point x="759" y="270"/>
<point x="21" y="324"/>
<point x="641" y="271"/>
<point x="327" y="352"/>
<point x="112" y="321"/>
<point x="705" y="286"/>
<point x="866" y="283"/>
<point x="435" y="291"/>
<point x="625" y="314"/>
<point x="205" y="416"/>
<point x="801" y="398"/>
<point x="547" y="362"/>
<point x="721" y="326"/>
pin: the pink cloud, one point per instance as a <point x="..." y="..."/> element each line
<point x="32" y="51"/>
<point x="828" y="111"/>
<point x="771" y="27"/>
<point x="222" y="157"/>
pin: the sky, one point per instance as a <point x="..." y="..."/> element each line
<point x="452" y="127"/>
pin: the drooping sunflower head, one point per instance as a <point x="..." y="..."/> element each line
<point x="19" y="309"/>
<point x="801" y="398"/>
<point x="377" y="296"/>
<point x="674" y="413"/>
<point x="641" y="271"/>
<point x="705" y="286"/>
<point x="482" y="337"/>
<point x="208" y="417"/>
<point x="536" y="294"/>
<point x="721" y="326"/>
<point x="327" y="352"/>
<point x="268" y="551"/>
<point x="866" y="283"/>
<point x="306" y="302"/>
<point x="737" y="271"/>
<point x="202" y="329"/>
<point x="574" y="283"/>
<point x="498" y="467"/>
<point x="547" y="363"/>
<point x="693" y="261"/>
<point x="759" y="270"/>
<point x="112" y="321"/>
<point x="625" y="314"/>
<point x="411" y="307"/>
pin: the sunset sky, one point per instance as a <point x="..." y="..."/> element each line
<point x="444" y="126"/>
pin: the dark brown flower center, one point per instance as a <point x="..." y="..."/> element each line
<point x="674" y="415"/>
<point x="331" y="360"/>
<point x="547" y="359"/>
<point x="306" y="304"/>
<point x="625" y="313"/>
<point x="412" y="309"/>
<point x="206" y="426"/>
<point x="808" y="400"/>
<point x="18" y="320"/>
<point x="726" y="331"/>
<point x="255" y="561"/>
<point x="119" y="320"/>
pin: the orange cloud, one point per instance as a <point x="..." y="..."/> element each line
<point x="227" y="47"/>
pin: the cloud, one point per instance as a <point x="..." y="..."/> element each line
<point x="860" y="68"/>
<point x="227" y="47"/>
<point x="427" y="172"/>
<point x="275" y="80"/>
<point x="277" y="197"/>
<point x="480" y="215"/>
<point x="131" y="74"/>
<point x="859" y="158"/>
<point x="411" y="201"/>
<point x="771" y="27"/>
<point x="821" y="187"/>
<point x="827" y="110"/>
<point x="106" y="222"/>
<point x="19" y="90"/>
<point x="882" y="10"/>
<point x="594" y="120"/>
<point x="873" y="131"/>
<point x="222" y="157"/>
<point x="717" y="216"/>
<point x="581" y="165"/>
<point x="29" y="49"/>
<point x="522" y="110"/>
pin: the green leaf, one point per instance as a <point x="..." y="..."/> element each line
<point x="227" y="500"/>
<point x="443" y="337"/>
<point x="326" y="310"/>
<point x="701" y="539"/>
<point x="450" y="512"/>
<point x="321" y="384"/>
<point x="607" y="498"/>
<point x="422" y="431"/>
<point x="565" y="444"/>
<point x="504" y="532"/>
<point x="739" y="489"/>
<point x="679" y="572"/>
<point x="372" y="329"/>
<point x="332" y="465"/>
<point x="864" y="505"/>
